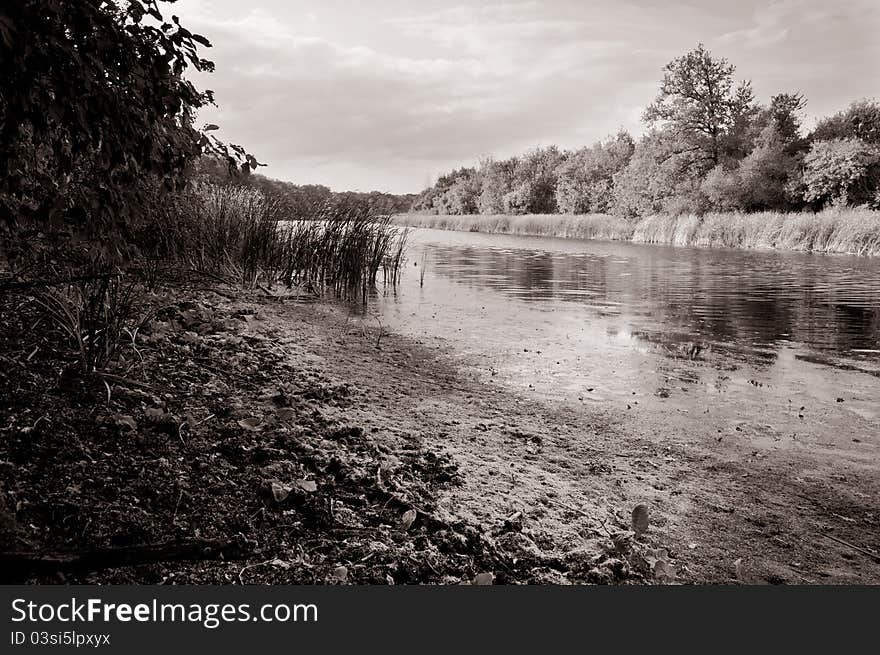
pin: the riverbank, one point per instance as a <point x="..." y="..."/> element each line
<point x="280" y="440"/>
<point x="832" y="231"/>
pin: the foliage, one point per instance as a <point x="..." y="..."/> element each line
<point x="709" y="147"/>
<point x="95" y="314"/>
<point x="698" y="104"/>
<point x="843" y="172"/>
<point x="585" y="179"/>
<point x="95" y="101"/>
<point x="861" y="120"/>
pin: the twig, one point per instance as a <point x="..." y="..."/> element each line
<point x="252" y="566"/>
<point x="18" y="565"/>
<point x="126" y="381"/>
<point x="267" y="292"/>
<point x="207" y="418"/>
<point x="177" y="506"/>
<point x="859" y="549"/>
<point x="569" y="507"/>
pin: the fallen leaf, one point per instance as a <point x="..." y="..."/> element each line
<point x="252" y="424"/>
<point x="664" y="571"/>
<point x="307" y="485"/>
<point x="280" y="492"/>
<point x="407" y="519"/>
<point x="286" y="413"/>
<point x="124" y="420"/>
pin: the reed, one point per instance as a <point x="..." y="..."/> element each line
<point x="242" y="234"/>
<point x="567" y="226"/>
<point x="851" y="231"/>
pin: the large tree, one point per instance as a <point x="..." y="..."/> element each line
<point x="699" y="105"/>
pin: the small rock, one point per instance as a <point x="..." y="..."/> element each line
<point x="640" y="519"/>
<point x="482" y="579"/>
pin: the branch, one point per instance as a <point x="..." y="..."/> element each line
<point x="18" y="565"/>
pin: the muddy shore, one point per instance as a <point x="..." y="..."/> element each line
<point x="250" y="439"/>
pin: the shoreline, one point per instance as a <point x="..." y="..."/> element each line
<point x="319" y="448"/>
<point x="845" y="232"/>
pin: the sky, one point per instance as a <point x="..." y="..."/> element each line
<point x="387" y="94"/>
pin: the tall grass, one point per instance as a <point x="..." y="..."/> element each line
<point x="568" y="226"/>
<point x="239" y="233"/>
<point x="852" y="231"/>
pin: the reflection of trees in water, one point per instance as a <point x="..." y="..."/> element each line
<point x="749" y="301"/>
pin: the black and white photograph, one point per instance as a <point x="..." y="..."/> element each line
<point x="406" y="293"/>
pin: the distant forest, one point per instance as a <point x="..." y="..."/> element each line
<point x="710" y="146"/>
<point x="301" y="199"/>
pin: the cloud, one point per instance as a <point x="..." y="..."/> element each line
<point x="306" y="100"/>
<point x="366" y="96"/>
<point x="770" y="25"/>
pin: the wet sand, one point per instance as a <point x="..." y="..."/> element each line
<point x="735" y="501"/>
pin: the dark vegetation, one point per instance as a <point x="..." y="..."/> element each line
<point x="117" y="388"/>
<point x="709" y="147"/>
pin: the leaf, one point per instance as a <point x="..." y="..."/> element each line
<point x="307" y="485"/>
<point x="280" y="492"/>
<point x="286" y="413"/>
<point x="664" y="571"/>
<point x="124" y="420"/>
<point x="340" y="573"/>
<point x="482" y="579"/>
<point x="252" y="424"/>
<point x="640" y="519"/>
<point x="210" y="127"/>
<point x="406" y="521"/>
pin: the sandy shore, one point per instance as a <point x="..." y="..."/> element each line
<point x="311" y="447"/>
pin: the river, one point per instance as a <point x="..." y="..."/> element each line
<point x="785" y="342"/>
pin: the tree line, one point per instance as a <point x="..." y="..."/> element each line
<point x="300" y="200"/>
<point x="709" y="146"/>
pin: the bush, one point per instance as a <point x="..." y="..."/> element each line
<point x="842" y="172"/>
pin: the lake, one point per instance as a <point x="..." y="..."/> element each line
<point x="635" y="327"/>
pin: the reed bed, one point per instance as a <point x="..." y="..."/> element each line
<point x="241" y="234"/>
<point x="566" y="226"/>
<point x="850" y="231"/>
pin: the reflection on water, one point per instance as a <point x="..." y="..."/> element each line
<point x="788" y="341"/>
<point x="683" y="300"/>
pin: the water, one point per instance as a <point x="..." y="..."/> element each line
<point x="588" y="321"/>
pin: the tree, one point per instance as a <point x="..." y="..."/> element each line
<point x="585" y="179"/>
<point x="861" y="120"/>
<point x="534" y="182"/>
<point x="698" y="104"/>
<point x="496" y="180"/>
<point x="95" y="107"/>
<point x="659" y="178"/>
<point x="461" y="196"/>
<point x="842" y="172"/>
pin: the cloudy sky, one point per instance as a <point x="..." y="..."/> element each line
<point x="386" y="94"/>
